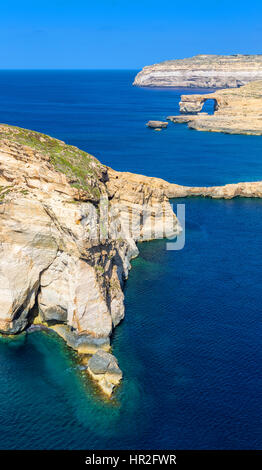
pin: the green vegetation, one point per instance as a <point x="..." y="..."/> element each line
<point x="81" y="168"/>
<point x="4" y="190"/>
<point x="114" y="285"/>
<point x="100" y="269"/>
<point x="25" y="192"/>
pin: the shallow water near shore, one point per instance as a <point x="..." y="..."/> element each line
<point x="190" y="344"/>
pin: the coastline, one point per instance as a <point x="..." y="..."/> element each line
<point x="129" y="190"/>
<point x="202" y="71"/>
<point x="190" y="329"/>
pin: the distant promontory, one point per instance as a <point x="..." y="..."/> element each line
<point x="202" y="71"/>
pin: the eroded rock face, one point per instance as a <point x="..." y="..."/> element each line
<point x="202" y="71"/>
<point x="228" y="191"/>
<point x="172" y="190"/>
<point x="188" y="106"/>
<point x="63" y="257"/>
<point x="237" y="111"/>
<point x="68" y="230"/>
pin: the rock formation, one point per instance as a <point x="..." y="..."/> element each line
<point x="236" y="111"/>
<point x="157" y="125"/>
<point x="172" y="190"/>
<point x="68" y="227"/>
<point x="103" y="367"/>
<point x="202" y="71"/>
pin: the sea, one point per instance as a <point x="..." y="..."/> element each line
<point x="190" y="343"/>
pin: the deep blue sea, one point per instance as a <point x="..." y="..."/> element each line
<point x="190" y="343"/>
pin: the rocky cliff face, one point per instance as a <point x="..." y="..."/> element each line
<point x="237" y="111"/>
<point x="68" y="227"/>
<point x="172" y="190"/>
<point x="202" y="71"/>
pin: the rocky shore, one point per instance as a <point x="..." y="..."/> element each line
<point x="66" y="239"/>
<point x="172" y="190"/>
<point x="236" y="111"/>
<point x="68" y="230"/>
<point x="202" y="71"/>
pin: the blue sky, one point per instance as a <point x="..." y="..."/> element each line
<point x="86" y="34"/>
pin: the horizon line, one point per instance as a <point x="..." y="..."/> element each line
<point x="64" y="69"/>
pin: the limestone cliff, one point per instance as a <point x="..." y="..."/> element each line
<point x="172" y="190"/>
<point x="236" y="111"/>
<point x="202" y="71"/>
<point x="68" y="227"/>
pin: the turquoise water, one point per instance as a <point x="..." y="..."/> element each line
<point x="190" y="344"/>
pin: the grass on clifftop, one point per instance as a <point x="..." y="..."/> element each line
<point x="82" y="168"/>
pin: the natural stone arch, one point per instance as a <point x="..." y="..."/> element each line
<point x="193" y="104"/>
